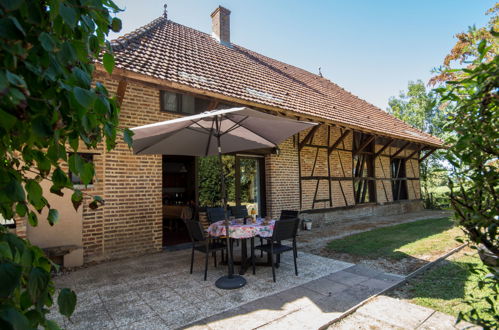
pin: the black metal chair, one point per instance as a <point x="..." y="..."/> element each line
<point x="283" y="230"/>
<point x="288" y="214"/>
<point x="203" y="243"/>
<point x="239" y="211"/>
<point x="285" y="214"/>
<point x="215" y="214"/>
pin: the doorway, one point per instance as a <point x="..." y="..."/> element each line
<point x="179" y="195"/>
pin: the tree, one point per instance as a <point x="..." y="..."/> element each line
<point x="465" y="51"/>
<point x="48" y="107"/>
<point x="473" y="140"/>
<point x="419" y="108"/>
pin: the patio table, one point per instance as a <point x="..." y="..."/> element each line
<point x="243" y="232"/>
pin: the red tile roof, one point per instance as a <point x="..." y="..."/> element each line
<point x="166" y="50"/>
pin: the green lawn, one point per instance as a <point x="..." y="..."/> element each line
<point x="415" y="239"/>
<point x="444" y="287"/>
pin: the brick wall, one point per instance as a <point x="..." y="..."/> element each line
<point x="281" y="179"/>
<point x="130" y="222"/>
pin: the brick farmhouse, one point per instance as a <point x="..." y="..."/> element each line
<point x="359" y="161"/>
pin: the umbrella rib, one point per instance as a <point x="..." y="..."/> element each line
<point x="233" y="127"/>
<point x="209" y="138"/>
<point x="197" y="123"/>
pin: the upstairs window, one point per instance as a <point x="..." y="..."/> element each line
<point x="182" y="103"/>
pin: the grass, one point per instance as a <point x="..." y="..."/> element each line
<point x="444" y="287"/>
<point x="415" y="239"/>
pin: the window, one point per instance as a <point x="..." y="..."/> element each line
<point x="399" y="180"/>
<point x="182" y="103"/>
<point x="87" y="158"/>
<point x="363" y="168"/>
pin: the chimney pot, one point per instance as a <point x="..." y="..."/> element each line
<point x="220" y="25"/>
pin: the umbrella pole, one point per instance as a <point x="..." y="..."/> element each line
<point x="230" y="281"/>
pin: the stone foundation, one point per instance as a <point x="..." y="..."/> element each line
<point x="331" y="216"/>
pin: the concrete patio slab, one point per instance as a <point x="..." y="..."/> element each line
<point x="389" y="313"/>
<point x="311" y="305"/>
<point x="157" y="292"/>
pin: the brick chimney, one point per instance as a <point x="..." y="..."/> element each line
<point x="220" y="25"/>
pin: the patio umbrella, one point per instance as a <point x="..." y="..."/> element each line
<point x="214" y="133"/>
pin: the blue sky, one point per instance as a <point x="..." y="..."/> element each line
<point x="371" y="48"/>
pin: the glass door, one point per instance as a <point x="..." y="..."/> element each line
<point x="244" y="179"/>
<point x="248" y="184"/>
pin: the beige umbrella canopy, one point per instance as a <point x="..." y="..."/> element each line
<point x="239" y="129"/>
<point x="217" y="132"/>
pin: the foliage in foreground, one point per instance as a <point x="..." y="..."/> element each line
<point x="47" y="108"/>
<point x="473" y="128"/>
<point x="446" y="286"/>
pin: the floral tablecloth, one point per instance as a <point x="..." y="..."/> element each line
<point x="239" y="231"/>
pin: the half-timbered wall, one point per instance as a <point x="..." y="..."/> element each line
<point x="327" y="158"/>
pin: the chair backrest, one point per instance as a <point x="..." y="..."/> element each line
<point x="285" y="229"/>
<point x="203" y="220"/>
<point x="239" y="211"/>
<point x="288" y="214"/>
<point x="215" y="214"/>
<point x="195" y="230"/>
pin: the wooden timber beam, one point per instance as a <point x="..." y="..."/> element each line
<point x="401" y="149"/>
<point x="389" y="143"/>
<point x="340" y="139"/>
<point x="308" y="137"/>
<point x="418" y="149"/>
<point x="427" y="154"/>
<point x="120" y="93"/>
<point x="365" y="144"/>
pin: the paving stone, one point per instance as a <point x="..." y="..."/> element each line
<point x="118" y="291"/>
<point x="443" y="321"/>
<point x="396" y="312"/>
<point x="357" y="321"/>
<point x="347" y="278"/>
<point x="308" y="318"/>
<point x="388" y="277"/>
<point x="363" y="271"/>
<point x="236" y="319"/>
<point x="325" y="286"/>
<point x="91" y="317"/>
<point x="127" y="312"/>
<point x="376" y="284"/>
<point x="151" y="323"/>
<point x="338" y="303"/>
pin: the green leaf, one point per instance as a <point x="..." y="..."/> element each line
<point x="87" y="173"/>
<point x="32" y="219"/>
<point x="21" y="209"/>
<point x="108" y="61"/>
<point x="52" y="325"/>
<point x="68" y="14"/>
<point x="59" y="178"/>
<point x="116" y="24"/>
<point x="53" y="216"/>
<point x="38" y="280"/>
<point x="15" y="79"/>
<point x="15" y="191"/>
<point x="10" y="276"/>
<point x="127" y="136"/>
<point x="46" y="41"/>
<point x="66" y="302"/>
<point x="84" y="97"/>
<point x="5" y="251"/>
<point x="14" y="318"/>
<point x="77" y="199"/>
<point x="35" y="194"/>
<point x="75" y="163"/>
<point x="11" y="5"/>
<point x="11" y="29"/>
<point x="8" y="121"/>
